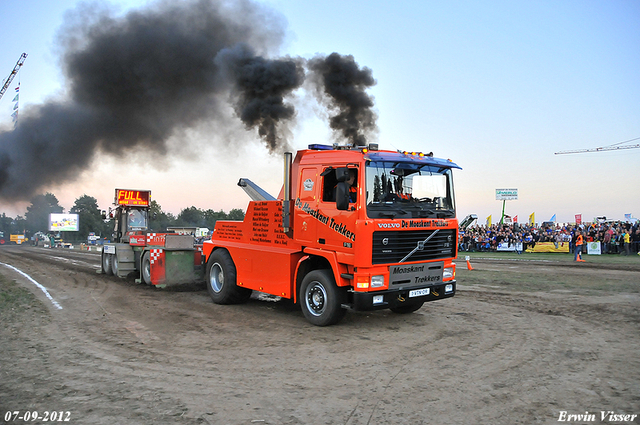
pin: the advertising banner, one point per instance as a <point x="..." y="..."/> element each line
<point x="504" y="246"/>
<point x="63" y="222"/>
<point x="549" y="247"/>
<point x="506" y="194"/>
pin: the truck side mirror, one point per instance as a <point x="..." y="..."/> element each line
<point x="342" y="196"/>
<point x="342" y="174"/>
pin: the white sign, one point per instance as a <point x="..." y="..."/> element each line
<point x="506" y="194"/>
<point x="593" y="248"/>
<point x="504" y="246"/>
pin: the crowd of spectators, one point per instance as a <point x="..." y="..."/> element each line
<point x="614" y="237"/>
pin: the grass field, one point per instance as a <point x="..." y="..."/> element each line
<point x="550" y="272"/>
<point x="15" y="301"/>
<point x="609" y="259"/>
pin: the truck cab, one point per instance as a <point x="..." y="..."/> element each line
<point x="353" y="228"/>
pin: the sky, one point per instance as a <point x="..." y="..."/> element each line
<point x="498" y="87"/>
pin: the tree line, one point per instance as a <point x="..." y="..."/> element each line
<point x="36" y="218"/>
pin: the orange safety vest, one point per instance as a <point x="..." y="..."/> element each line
<point x="579" y="240"/>
<point x="353" y="194"/>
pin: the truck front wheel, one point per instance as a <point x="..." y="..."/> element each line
<point x="221" y="280"/>
<point x="321" y="299"/>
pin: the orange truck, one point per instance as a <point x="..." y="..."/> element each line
<point x="352" y="228"/>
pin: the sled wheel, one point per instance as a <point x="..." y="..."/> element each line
<point x="114" y="264"/>
<point x="106" y="264"/>
<point x="146" y="268"/>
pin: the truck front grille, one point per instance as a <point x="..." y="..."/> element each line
<point x="393" y="246"/>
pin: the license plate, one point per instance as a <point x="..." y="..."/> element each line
<point x="419" y="292"/>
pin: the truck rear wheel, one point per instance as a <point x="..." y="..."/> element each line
<point x="221" y="280"/>
<point x="321" y="299"/>
<point x="146" y="268"/>
<point x="106" y="264"/>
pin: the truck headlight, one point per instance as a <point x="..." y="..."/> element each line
<point x="448" y="273"/>
<point x="377" y="299"/>
<point x="377" y="281"/>
<point x="448" y="289"/>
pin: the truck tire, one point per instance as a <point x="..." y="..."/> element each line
<point x="221" y="280"/>
<point x="146" y="268"/>
<point x="114" y="264"/>
<point x="106" y="264"/>
<point x="321" y="299"/>
<point x="408" y="307"/>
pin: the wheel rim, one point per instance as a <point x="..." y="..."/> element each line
<point x="216" y="278"/>
<point x="316" y="298"/>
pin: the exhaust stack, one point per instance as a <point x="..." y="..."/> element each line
<point x="286" y="208"/>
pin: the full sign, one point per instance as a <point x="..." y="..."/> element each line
<point x="140" y="198"/>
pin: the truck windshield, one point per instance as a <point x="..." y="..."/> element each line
<point x="409" y="190"/>
<point x="137" y="220"/>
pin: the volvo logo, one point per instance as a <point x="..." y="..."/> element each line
<point x="385" y="241"/>
<point x="388" y="225"/>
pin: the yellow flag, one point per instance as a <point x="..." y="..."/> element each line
<point x="489" y="221"/>
<point x="532" y="219"/>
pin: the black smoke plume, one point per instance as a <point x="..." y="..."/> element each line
<point x="260" y="86"/>
<point x="135" y="81"/>
<point x="342" y="85"/>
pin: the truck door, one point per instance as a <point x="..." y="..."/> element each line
<point x="339" y="232"/>
<point x="306" y="207"/>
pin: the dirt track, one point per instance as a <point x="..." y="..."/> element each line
<point x="121" y="353"/>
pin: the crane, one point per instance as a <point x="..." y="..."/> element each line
<point x="16" y="68"/>
<point x="614" y="147"/>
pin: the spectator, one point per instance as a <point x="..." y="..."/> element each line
<point x="626" y="241"/>
<point x="487" y="238"/>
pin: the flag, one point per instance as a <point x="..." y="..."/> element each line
<point x="627" y="217"/>
<point x="578" y="218"/>
<point x="18" y="88"/>
<point x="553" y="218"/>
<point x="15" y="99"/>
<point x="15" y="106"/>
<point x="532" y="219"/>
<point x="15" y="116"/>
<point x="515" y="219"/>
<point x="489" y="221"/>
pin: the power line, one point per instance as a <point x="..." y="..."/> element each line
<point x="613" y="147"/>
